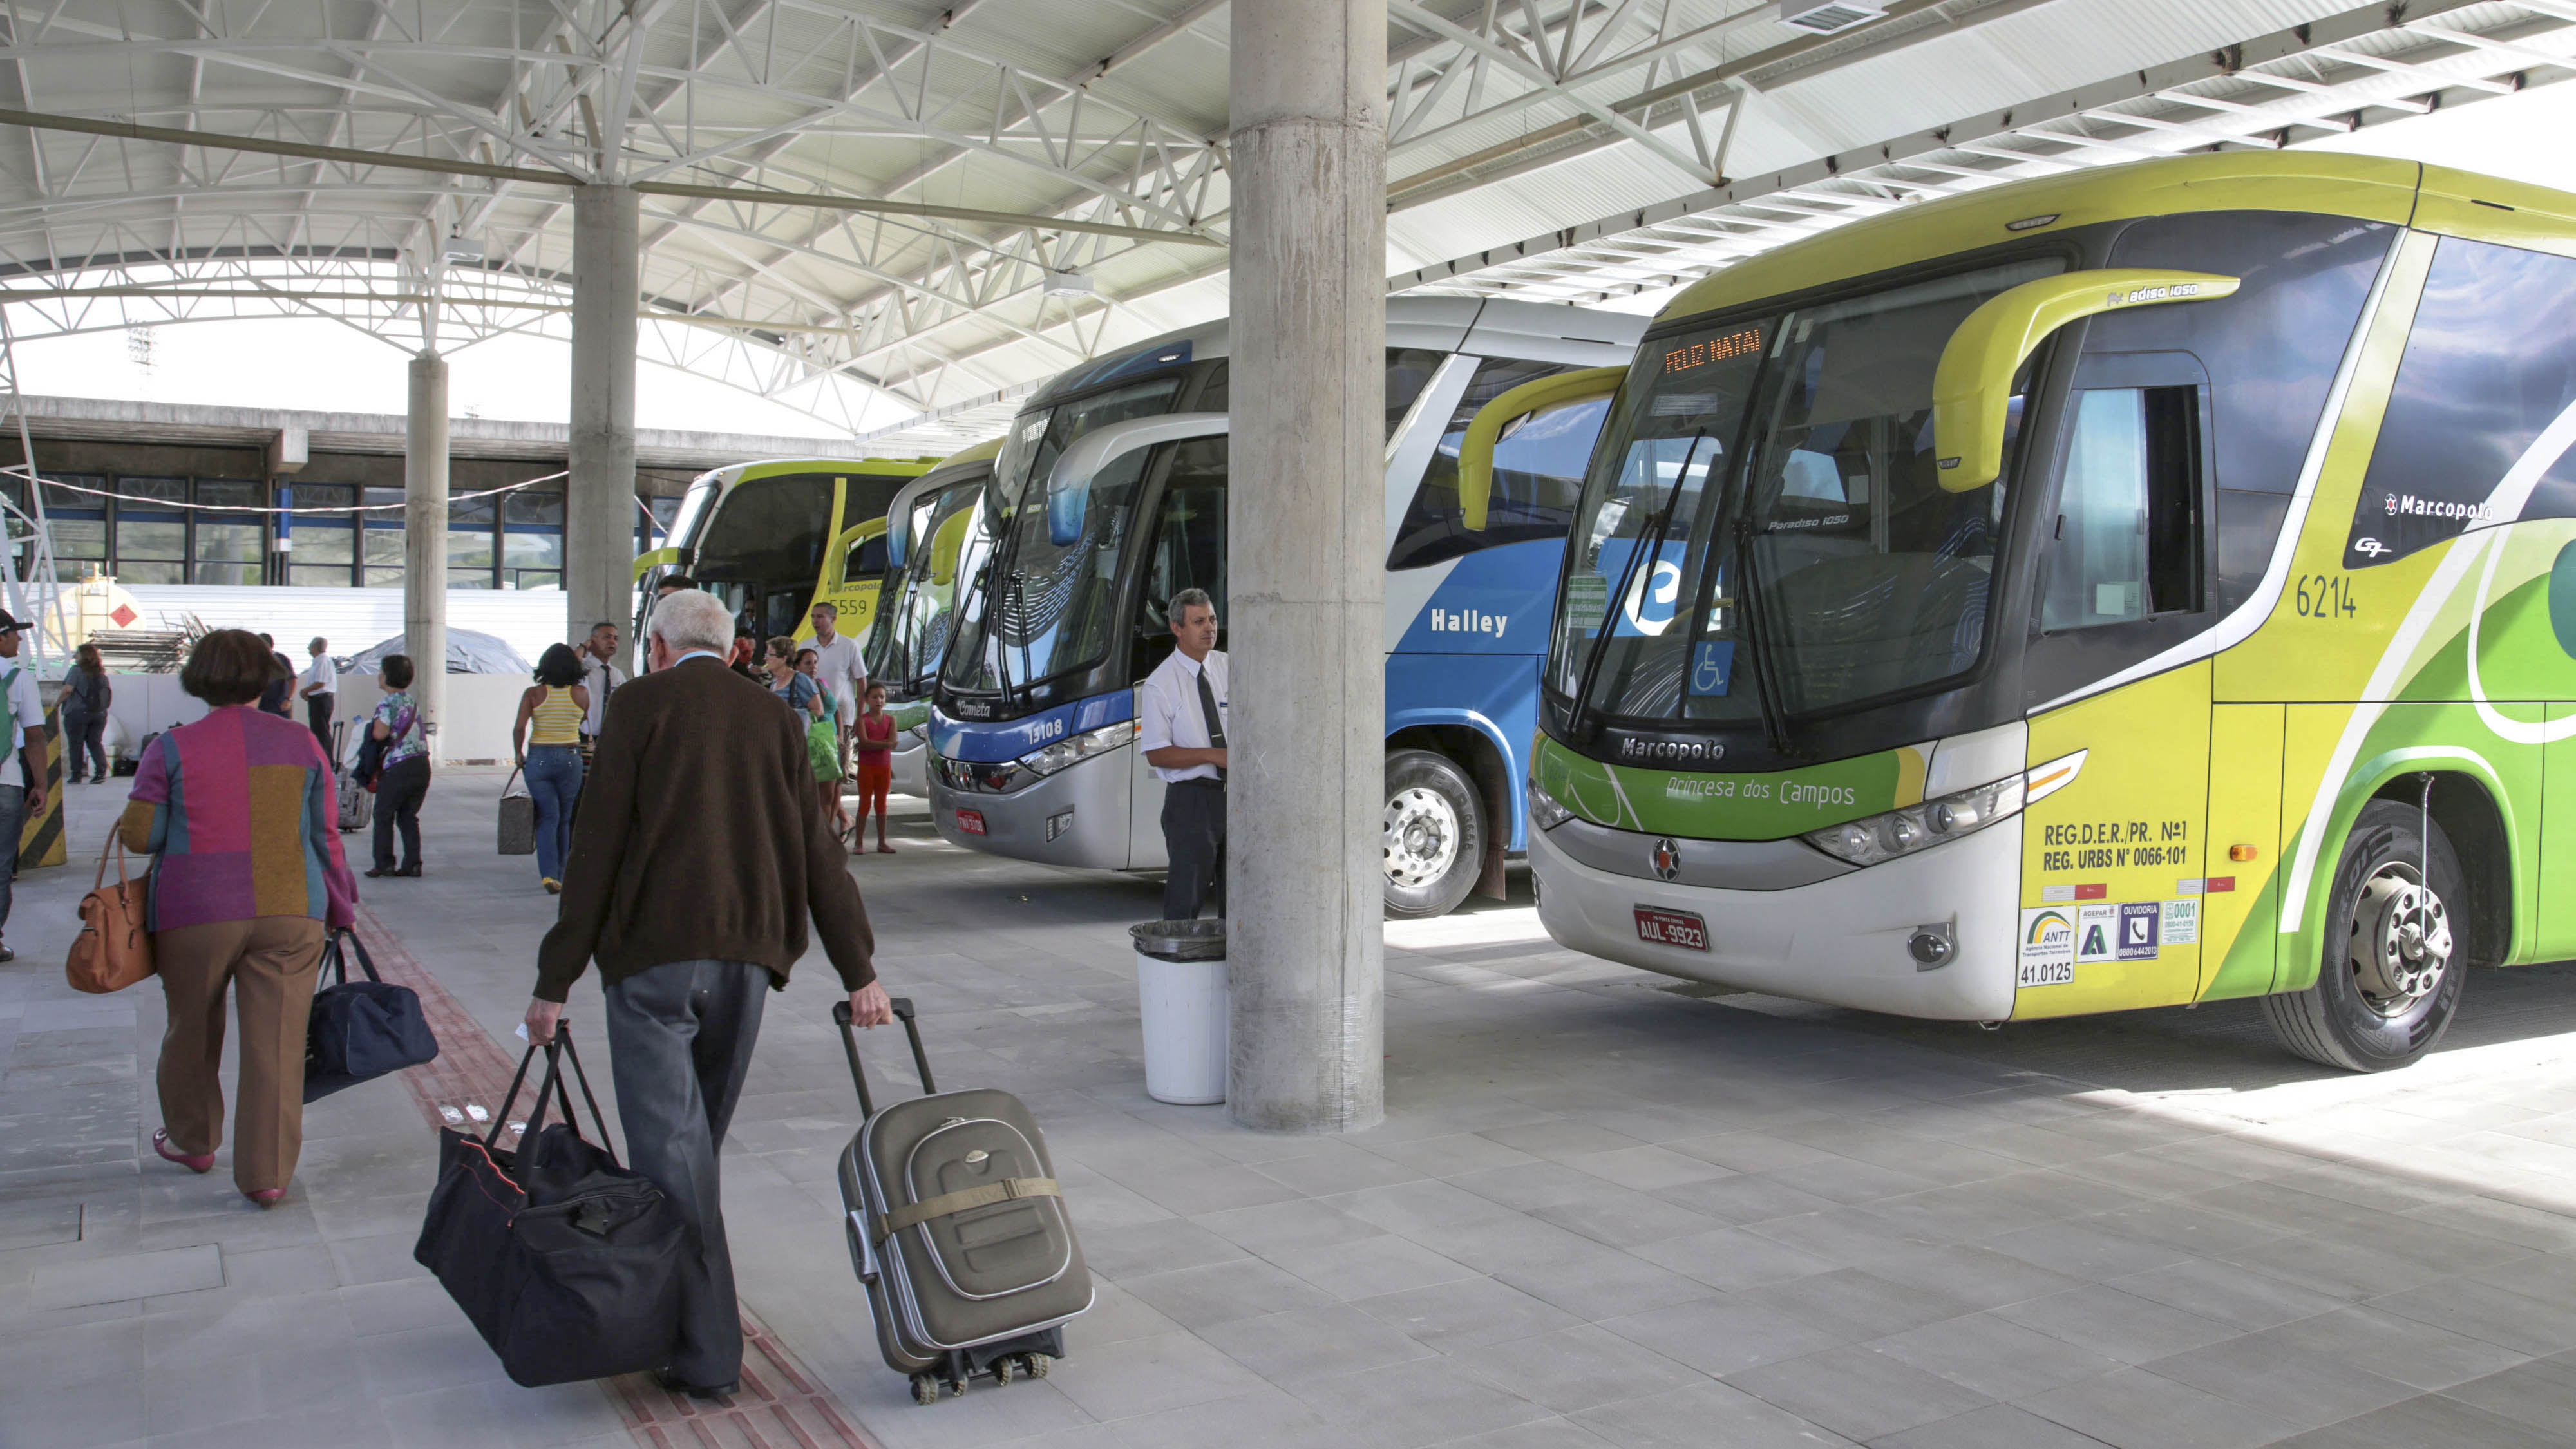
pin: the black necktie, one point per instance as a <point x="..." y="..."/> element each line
<point x="1215" y="721"/>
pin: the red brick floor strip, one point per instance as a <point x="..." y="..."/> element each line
<point x="782" y="1404"/>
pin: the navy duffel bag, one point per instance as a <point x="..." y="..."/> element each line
<point x="360" y="1030"/>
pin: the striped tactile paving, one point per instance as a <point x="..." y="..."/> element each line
<point x="783" y="1405"/>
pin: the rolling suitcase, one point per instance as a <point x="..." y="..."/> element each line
<point x="957" y="1231"/>
<point x="356" y="801"/>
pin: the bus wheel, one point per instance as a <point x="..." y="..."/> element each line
<point x="2395" y="961"/>
<point x="1435" y="835"/>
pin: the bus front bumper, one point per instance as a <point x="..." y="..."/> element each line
<point x="1840" y="941"/>
<point x="1084" y="805"/>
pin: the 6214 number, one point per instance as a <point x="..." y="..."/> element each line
<point x="2326" y="596"/>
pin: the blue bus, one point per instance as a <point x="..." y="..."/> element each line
<point x="1109" y="497"/>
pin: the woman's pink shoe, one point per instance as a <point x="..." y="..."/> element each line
<point x="267" y="1197"/>
<point x="193" y="1161"/>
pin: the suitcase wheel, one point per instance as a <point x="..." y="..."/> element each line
<point x="1002" y="1372"/>
<point x="1038" y="1364"/>
<point x="925" y="1389"/>
<point x="956" y="1388"/>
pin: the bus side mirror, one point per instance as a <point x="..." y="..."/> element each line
<point x="1065" y="509"/>
<point x="1972" y="386"/>
<point x="1476" y="450"/>
<point x="947" y="546"/>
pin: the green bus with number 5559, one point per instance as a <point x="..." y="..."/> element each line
<point x="2144" y="586"/>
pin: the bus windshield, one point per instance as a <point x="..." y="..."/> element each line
<point x="917" y="608"/>
<point x="1763" y="527"/>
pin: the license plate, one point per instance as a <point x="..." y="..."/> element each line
<point x="1672" y="928"/>
<point x="971" y="821"/>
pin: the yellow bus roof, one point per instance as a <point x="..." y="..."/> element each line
<point x="2372" y="188"/>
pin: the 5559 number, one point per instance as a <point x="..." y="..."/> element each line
<point x="2326" y="596"/>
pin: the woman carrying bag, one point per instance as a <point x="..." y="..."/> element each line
<point x="402" y="772"/>
<point x="551" y="757"/>
<point x="240" y="809"/>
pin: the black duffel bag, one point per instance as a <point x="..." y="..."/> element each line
<point x="360" y="1030"/>
<point x="568" y="1264"/>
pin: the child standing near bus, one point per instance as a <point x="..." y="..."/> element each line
<point x="875" y="735"/>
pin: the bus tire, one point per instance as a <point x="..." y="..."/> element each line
<point x="1434" y="835"/>
<point x="2395" y="959"/>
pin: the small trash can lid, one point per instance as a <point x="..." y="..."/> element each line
<point x="1181" y="940"/>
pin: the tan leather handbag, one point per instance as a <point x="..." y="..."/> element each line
<point x="113" y="950"/>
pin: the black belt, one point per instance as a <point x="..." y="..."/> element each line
<point x="1201" y="783"/>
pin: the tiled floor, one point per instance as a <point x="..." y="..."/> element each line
<point x="1600" y="1212"/>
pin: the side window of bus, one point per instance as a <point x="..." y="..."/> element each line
<point x="1538" y="472"/>
<point x="2126" y="540"/>
<point x="1188" y="551"/>
<point x="2489" y="367"/>
<point x="867" y="560"/>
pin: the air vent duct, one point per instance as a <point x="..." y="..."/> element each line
<point x="1828" y="17"/>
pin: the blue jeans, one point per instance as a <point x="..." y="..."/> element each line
<point x="554" y="782"/>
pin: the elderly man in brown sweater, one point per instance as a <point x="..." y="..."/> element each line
<point x="699" y="853"/>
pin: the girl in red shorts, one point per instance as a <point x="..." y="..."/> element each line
<point x="875" y="736"/>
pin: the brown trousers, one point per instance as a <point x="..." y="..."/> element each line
<point x="270" y="961"/>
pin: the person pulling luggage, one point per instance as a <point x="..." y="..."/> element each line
<point x="1180" y="717"/>
<point x="695" y="865"/>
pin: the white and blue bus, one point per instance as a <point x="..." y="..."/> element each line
<point x="1109" y="497"/>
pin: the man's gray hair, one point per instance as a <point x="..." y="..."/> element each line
<point x="693" y="619"/>
<point x="1181" y="604"/>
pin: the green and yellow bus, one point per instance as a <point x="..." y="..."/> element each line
<point x="773" y="539"/>
<point x="2145" y="586"/>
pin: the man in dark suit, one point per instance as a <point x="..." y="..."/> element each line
<point x="699" y="853"/>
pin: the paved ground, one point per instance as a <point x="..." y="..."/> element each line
<point x="1602" y="1211"/>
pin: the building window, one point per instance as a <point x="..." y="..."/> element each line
<point x="321" y="549"/>
<point x="78" y="525"/>
<point x="227" y="549"/>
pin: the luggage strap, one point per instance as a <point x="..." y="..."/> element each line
<point x="947" y="1204"/>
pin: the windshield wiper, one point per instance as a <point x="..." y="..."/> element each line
<point x="1627" y="576"/>
<point x="1748" y="581"/>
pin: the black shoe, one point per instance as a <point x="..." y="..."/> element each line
<point x="375" y="872"/>
<point x="7" y="955"/>
<point x="712" y="1393"/>
<point x="412" y="869"/>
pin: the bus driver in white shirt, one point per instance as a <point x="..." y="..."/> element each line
<point x="1180" y="722"/>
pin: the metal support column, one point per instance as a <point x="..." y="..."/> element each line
<point x="1306" y="543"/>
<point x="599" y="501"/>
<point x="424" y="542"/>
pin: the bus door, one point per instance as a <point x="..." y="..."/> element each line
<point x="1187" y="552"/>
<point x="2114" y="877"/>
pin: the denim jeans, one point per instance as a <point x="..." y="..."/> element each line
<point x="554" y="782"/>
<point x="13" y="821"/>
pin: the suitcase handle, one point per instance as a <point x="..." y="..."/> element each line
<point x="850" y="1048"/>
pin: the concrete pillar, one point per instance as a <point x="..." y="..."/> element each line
<point x="1306" y="548"/>
<point x="425" y="538"/>
<point x="599" y="498"/>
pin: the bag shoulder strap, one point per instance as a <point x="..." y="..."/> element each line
<point x="948" y="1204"/>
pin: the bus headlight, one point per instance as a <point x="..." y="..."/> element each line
<point x="1074" y="749"/>
<point x="1544" y="812"/>
<point x="1902" y="832"/>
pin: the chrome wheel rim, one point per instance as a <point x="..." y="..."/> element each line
<point x="2401" y="943"/>
<point x="1421" y="837"/>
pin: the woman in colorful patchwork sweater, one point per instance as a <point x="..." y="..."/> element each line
<point x="241" y="811"/>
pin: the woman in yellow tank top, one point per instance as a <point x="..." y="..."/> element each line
<point x="550" y="757"/>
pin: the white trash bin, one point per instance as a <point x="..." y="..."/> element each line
<point x="1188" y="1014"/>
